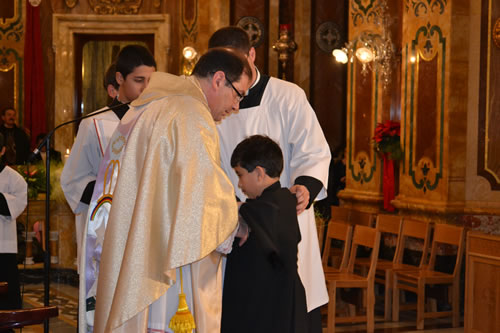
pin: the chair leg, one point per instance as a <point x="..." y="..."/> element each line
<point x="395" y="298"/>
<point x="388" y="295"/>
<point x="420" y="304"/>
<point x="370" y="309"/>
<point x="455" y="304"/>
<point x="332" y="291"/>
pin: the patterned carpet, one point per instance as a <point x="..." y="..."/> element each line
<point x="68" y="305"/>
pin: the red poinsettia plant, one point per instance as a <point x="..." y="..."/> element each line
<point x="387" y="139"/>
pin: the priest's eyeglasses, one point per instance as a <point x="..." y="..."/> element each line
<point x="240" y="96"/>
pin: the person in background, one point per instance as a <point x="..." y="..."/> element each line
<point x="280" y="110"/>
<point x="17" y="143"/>
<point x="262" y="289"/>
<point x="134" y="66"/>
<point x="13" y="200"/>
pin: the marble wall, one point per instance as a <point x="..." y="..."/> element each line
<point x="448" y="72"/>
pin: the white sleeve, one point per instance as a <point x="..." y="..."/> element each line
<point x="16" y="195"/>
<point x="309" y="150"/>
<point x="81" y="166"/>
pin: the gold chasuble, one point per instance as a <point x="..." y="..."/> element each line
<point x="172" y="206"/>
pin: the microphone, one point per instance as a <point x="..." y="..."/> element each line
<point x="35" y="151"/>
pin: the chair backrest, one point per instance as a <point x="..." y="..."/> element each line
<point x="369" y="238"/>
<point x="339" y="231"/>
<point x="450" y="235"/>
<point x="10" y="319"/>
<point x="357" y="217"/>
<point x="339" y="213"/>
<point x="390" y="224"/>
<point x="416" y="229"/>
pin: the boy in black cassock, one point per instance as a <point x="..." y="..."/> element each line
<point x="262" y="290"/>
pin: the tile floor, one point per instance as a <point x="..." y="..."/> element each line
<point x="65" y="297"/>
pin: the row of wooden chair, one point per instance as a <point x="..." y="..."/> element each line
<point x="393" y="274"/>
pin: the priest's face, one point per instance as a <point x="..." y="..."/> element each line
<point x="134" y="83"/>
<point x="228" y="96"/>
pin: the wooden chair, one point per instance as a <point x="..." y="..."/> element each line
<point x="339" y="213"/>
<point x="387" y="225"/>
<point x="417" y="230"/>
<point x="416" y="280"/>
<point x="342" y="232"/>
<point x="357" y="217"/>
<point x="368" y="237"/>
<point x="10" y="319"/>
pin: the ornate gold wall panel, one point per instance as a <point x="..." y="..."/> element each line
<point x="489" y="103"/>
<point x="11" y="56"/>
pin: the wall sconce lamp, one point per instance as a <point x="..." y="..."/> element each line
<point x="189" y="60"/>
<point x="373" y="51"/>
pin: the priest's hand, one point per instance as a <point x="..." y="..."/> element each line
<point x="302" y="195"/>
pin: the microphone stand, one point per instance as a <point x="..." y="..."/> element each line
<point x="46" y="142"/>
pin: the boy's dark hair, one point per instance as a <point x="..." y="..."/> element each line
<point x="258" y="150"/>
<point x="233" y="37"/>
<point x="2" y="141"/>
<point x="231" y="62"/>
<point x="110" y="77"/>
<point x="132" y="56"/>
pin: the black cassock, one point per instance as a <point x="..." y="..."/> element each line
<point x="262" y="289"/>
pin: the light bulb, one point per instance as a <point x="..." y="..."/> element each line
<point x="189" y="53"/>
<point x="340" y="56"/>
<point x="364" y="55"/>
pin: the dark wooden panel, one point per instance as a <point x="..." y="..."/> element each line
<point x="7" y="80"/>
<point x="426" y="117"/>
<point x="328" y="88"/>
<point x="489" y="100"/>
<point x="6" y="9"/>
<point x="260" y="10"/>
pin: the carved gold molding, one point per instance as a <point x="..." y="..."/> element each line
<point x="71" y="3"/>
<point x="115" y="6"/>
<point x="496" y="33"/>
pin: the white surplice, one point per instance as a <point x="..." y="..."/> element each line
<point x="14" y="188"/>
<point x="82" y="165"/>
<point x="285" y="115"/>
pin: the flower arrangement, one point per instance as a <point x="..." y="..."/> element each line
<point x="387" y="139"/>
<point x="34" y="177"/>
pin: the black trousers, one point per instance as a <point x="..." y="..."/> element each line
<point x="314" y="321"/>
<point x="10" y="274"/>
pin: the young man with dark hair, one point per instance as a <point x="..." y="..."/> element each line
<point x="110" y="84"/>
<point x="17" y="143"/>
<point x="173" y="209"/>
<point x="134" y="66"/>
<point x="262" y="288"/>
<point x="13" y="200"/>
<point x="280" y="110"/>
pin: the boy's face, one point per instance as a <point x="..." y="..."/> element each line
<point x="133" y="85"/>
<point x="249" y="182"/>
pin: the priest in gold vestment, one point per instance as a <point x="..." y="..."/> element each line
<point x="173" y="208"/>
